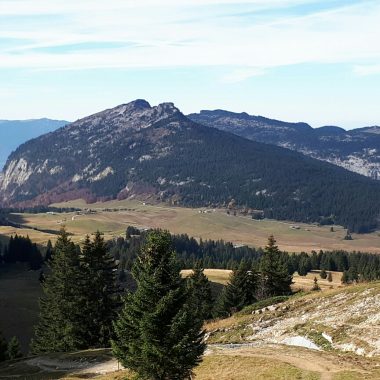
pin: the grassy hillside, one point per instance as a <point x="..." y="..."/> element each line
<point x="338" y="320"/>
<point x="113" y="217"/>
<point x="256" y="343"/>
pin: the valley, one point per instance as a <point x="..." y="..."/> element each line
<point x="113" y="217"/>
<point x="154" y="226"/>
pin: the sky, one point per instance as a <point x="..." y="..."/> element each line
<point x="312" y="61"/>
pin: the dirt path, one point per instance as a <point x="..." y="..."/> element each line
<point x="325" y="364"/>
<point x="82" y="367"/>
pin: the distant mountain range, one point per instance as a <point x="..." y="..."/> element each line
<point x="15" y="132"/>
<point x="357" y="150"/>
<point x="135" y="150"/>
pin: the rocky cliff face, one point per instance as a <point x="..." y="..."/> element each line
<point x="82" y="152"/>
<point x="357" y="150"/>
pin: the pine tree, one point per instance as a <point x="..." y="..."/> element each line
<point x="35" y="258"/>
<point x="14" y="350"/>
<point x="200" y="289"/>
<point x="58" y="327"/>
<point x="315" y="285"/>
<point x="323" y="274"/>
<point x="3" y="348"/>
<point x="329" y="277"/>
<point x="157" y="334"/>
<point x="99" y="300"/>
<point x="348" y="235"/>
<point x="49" y="251"/>
<point x="239" y="292"/>
<point x="345" y="278"/>
<point x="275" y="278"/>
<point x="303" y="267"/>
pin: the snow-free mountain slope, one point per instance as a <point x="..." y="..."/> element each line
<point x="135" y="150"/>
<point x="357" y="150"/>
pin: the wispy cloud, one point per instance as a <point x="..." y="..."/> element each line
<point x="241" y="74"/>
<point x="364" y="70"/>
<point x="129" y="34"/>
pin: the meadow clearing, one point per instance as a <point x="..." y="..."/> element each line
<point x="113" y="217"/>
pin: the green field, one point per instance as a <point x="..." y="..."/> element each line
<point x="113" y="217"/>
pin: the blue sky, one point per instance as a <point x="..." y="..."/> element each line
<point x="313" y="61"/>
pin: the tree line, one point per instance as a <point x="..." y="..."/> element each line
<point x="20" y="249"/>
<point x="356" y="266"/>
<point x="359" y="266"/>
<point x="156" y="331"/>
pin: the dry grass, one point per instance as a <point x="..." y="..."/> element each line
<point x="213" y="225"/>
<point x="238" y="367"/>
<point x="220" y="276"/>
<point x="307" y="282"/>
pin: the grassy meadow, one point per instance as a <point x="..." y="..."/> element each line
<point x="113" y="217"/>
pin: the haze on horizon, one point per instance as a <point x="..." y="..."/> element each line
<point x="312" y="61"/>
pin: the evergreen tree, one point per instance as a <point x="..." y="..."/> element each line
<point x="41" y="277"/>
<point x="345" y="278"/>
<point x="200" y="289"/>
<point x="315" y="285"/>
<point x="49" y="251"/>
<point x="99" y="300"/>
<point x="275" y="278"/>
<point x="3" y="348"/>
<point x="158" y="334"/>
<point x="59" y="324"/>
<point x="239" y="292"/>
<point x="348" y="235"/>
<point x="14" y="350"/>
<point x="35" y="258"/>
<point x="323" y="274"/>
<point x="329" y="277"/>
<point x="304" y="265"/>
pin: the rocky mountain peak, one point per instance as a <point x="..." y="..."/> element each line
<point x="134" y="115"/>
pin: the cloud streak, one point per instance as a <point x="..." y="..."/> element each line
<point x="161" y="36"/>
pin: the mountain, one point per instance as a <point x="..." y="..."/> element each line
<point x="357" y="150"/>
<point x="15" y="132"/>
<point x="135" y="150"/>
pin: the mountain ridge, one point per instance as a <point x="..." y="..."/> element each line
<point x="357" y="150"/>
<point x="135" y="150"/>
